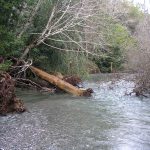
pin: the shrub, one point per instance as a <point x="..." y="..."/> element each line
<point x="5" y="66"/>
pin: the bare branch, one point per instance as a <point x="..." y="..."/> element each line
<point x="77" y="17"/>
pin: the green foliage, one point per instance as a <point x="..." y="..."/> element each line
<point x="9" y="12"/>
<point x="119" y="36"/>
<point x="9" y="45"/>
<point x="119" y="40"/>
<point x="113" y="59"/>
<point x="5" y="66"/>
<point x="9" y="15"/>
<point x="134" y="12"/>
<point x="54" y="60"/>
<point x="12" y="20"/>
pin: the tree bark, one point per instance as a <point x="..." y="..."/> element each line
<point x="34" y="44"/>
<point x="60" y="83"/>
<point x="27" y="49"/>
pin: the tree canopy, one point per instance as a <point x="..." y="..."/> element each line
<point x="60" y="34"/>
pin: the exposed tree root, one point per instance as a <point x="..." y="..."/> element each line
<point x="8" y="100"/>
<point x="142" y="84"/>
<point x="73" y="80"/>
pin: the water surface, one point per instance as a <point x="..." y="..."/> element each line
<point x="107" y="121"/>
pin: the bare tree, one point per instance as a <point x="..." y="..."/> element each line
<point x="143" y="35"/>
<point x="142" y="54"/>
<point x="66" y="18"/>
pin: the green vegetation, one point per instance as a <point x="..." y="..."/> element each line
<point x="112" y="62"/>
<point x="119" y="40"/>
<point x="134" y="11"/>
<point x="5" y="66"/>
<point x="9" y="11"/>
<point x="57" y="61"/>
<point x="19" y="29"/>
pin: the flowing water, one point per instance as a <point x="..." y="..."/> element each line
<point x="108" y="120"/>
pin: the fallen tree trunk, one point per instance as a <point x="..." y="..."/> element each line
<point x="61" y="83"/>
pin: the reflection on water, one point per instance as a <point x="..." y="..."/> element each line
<point x="108" y="121"/>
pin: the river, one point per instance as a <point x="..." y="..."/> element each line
<point x="109" y="120"/>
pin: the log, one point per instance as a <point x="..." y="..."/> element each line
<point x="61" y="83"/>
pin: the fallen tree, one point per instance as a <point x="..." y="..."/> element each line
<point x="65" y="86"/>
<point x="68" y="84"/>
<point x="17" y="76"/>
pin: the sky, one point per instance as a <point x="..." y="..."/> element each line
<point x="145" y="6"/>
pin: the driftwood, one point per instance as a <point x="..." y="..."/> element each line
<point x="60" y="83"/>
<point x="142" y="84"/>
<point x="8" y="100"/>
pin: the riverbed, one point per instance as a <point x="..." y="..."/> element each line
<point x="109" y="120"/>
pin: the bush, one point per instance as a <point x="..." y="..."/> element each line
<point x="120" y="41"/>
<point x="5" y="66"/>
<point x="112" y="61"/>
<point x="9" y="11"/>
<point x="52" y="60"/>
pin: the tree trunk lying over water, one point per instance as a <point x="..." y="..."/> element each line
<point x="61" y="83"/>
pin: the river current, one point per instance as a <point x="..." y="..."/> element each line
<point x="109" y="120"/>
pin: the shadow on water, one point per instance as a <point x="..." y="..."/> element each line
<point x="109" y="120"/>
